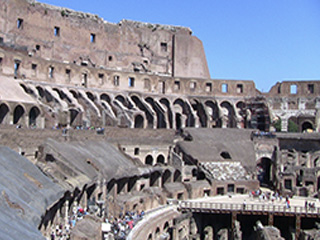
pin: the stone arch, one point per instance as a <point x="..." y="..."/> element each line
<point x="149" y="160"/>
<point x="34" y="113"/>
<point x="154" y="178"/>
<point x="177" y="177"/>
<point x="90" y="95"/>
<point x="166" y="177"/>
<point x="74" y="93"/>
<point x="213" y="112"/>
<point x="190" y="120"/>
<point x="18" y="113"/>
<point x="306" y="125"/>
<point x="138" y="121"/>
<point x="166" y="103"/>
<point x="161" y="123"/>
<point x="4" y="110"/>
<point x="157" y="233"/>
<point x="122" y="99"/>
<point x="166" y="226"/>
<point x="160" y="159"/>
<point x="228" y="115"/>
<point x="73" y="113"/>
<point x="105" y="97"/>
<point x="241" y="112"/>
<point x="201" y="113"/>
<point x="150" y="236"/>
<point x="143" y="108"/>
<point x="264" y="171"/>
<point x="40" y="91"/>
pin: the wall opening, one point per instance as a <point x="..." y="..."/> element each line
<point x="4" y="110"/>
<point x="56" y="31"/>
<point x="239" y="88"/>
<point x="92" y="38"/>
<point x="33" y="115"/>
<point x="224" y="88"/>
<point x="20" y="23"/>
<point x="131" y="82"/>
<point x="208" y="87"/>
<point x="149" y="160"/>
<point x="293" y="89"/>
<point x="17" y="114"/>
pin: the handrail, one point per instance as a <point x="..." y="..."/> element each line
<point x="248" y="207"/>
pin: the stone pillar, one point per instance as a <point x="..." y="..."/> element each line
<point x="317" y="121"/>
<point x="284" y="125"/>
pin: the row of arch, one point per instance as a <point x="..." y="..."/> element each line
<point x="136" y="111"/>
<point x="20" y="114"/>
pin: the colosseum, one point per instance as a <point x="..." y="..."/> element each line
<point x="117" y="131"/>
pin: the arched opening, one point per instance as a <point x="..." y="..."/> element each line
<point x="90" y="96"/>
<point x="177" y="176"/>
<point x="74" y="94"/>
<point x="105" y="97"/>
<point x="160" y="159"/>
<point x="166" y="227"/>
<point x="166" y="177"/>
<point x="33" y="115"/>
<point x="4" y="110"/>
<point x="161" y="123"/>
<point x="154" y="179"/>
<point x="73" y="115"/>
<point x="197" y="106"/>
<point x="264" y="172"/>
<point x="178" y="121"/>
<point x="17" y="114"/>
<point x="166" y="103"/>
<point x="142" y="107"/>
<point x="149" y="160"/>
<point x="138" y="121"/>
<point x="157" y="235"/>
<point x="150" y="237"/>
<point x="213" y="112"/>
<point x="225" y="155"/>
<point x="228" y="115"/>
<point x="307" y="127"/>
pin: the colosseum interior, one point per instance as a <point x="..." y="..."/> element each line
<point x="103" y="122"/>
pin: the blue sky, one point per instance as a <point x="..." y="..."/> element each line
<point x="261" y="40"/>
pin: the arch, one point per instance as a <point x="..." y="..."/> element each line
<point x="138" y="121"/>
<point x="165" y="177"/>
<point x="161" y="123"/>
<point x="264" y="171"/>
<point x="166" y="226"/>
<point x="33" y="115"/>
<point x="18" y="114"/>
<point x="122" y="99"/>
<point x="225" y="155"/>
<point x="142" y="107"/>
<point x="228" y="115"/>
<point x="166" y="103"/>
<point x="90" y="96"/>
<point x="160" y="159"/>
<point x="213" y="113"/>
<point x="178" y="121"/>
<point x="40" y="91"/>
<point x="242" y="112"/>
<point x="201" y="113"/>
<point x="306" y="126"/>
<point x="157" y="233"/>
<point x="149" y="160"/>
<point x="150" y="237"/>
<point x="73" y="115"/>
<point x="190" y="121"/>
<point x="177" y="176"/>
<point x="154" y="178"/>
<point x="74" y="94"/>
<point x="4" y="110"/>
<point x="105" y="97"/>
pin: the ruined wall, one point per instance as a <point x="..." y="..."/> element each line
<point x="64" y="35"/>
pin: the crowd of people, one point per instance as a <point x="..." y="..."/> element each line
<point x="120" y="226"/>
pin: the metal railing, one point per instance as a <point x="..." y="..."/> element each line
<point x="274" y="208"/>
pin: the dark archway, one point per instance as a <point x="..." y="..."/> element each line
<point x="105" y="97"/>
<point x="149" y="160"/>
<point x="166" y="177"/>
<point x="17" y="114"/>
<point x="306" y="126"/>
<point x="264" y="174"/>
<point x="138" y="121"/>
<point x="4" y="110"/>
<point x="33" y="115"/>
<point x="73" y="115"/>
<point x="160" y="159"/>
<point x="177" y="176"/>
